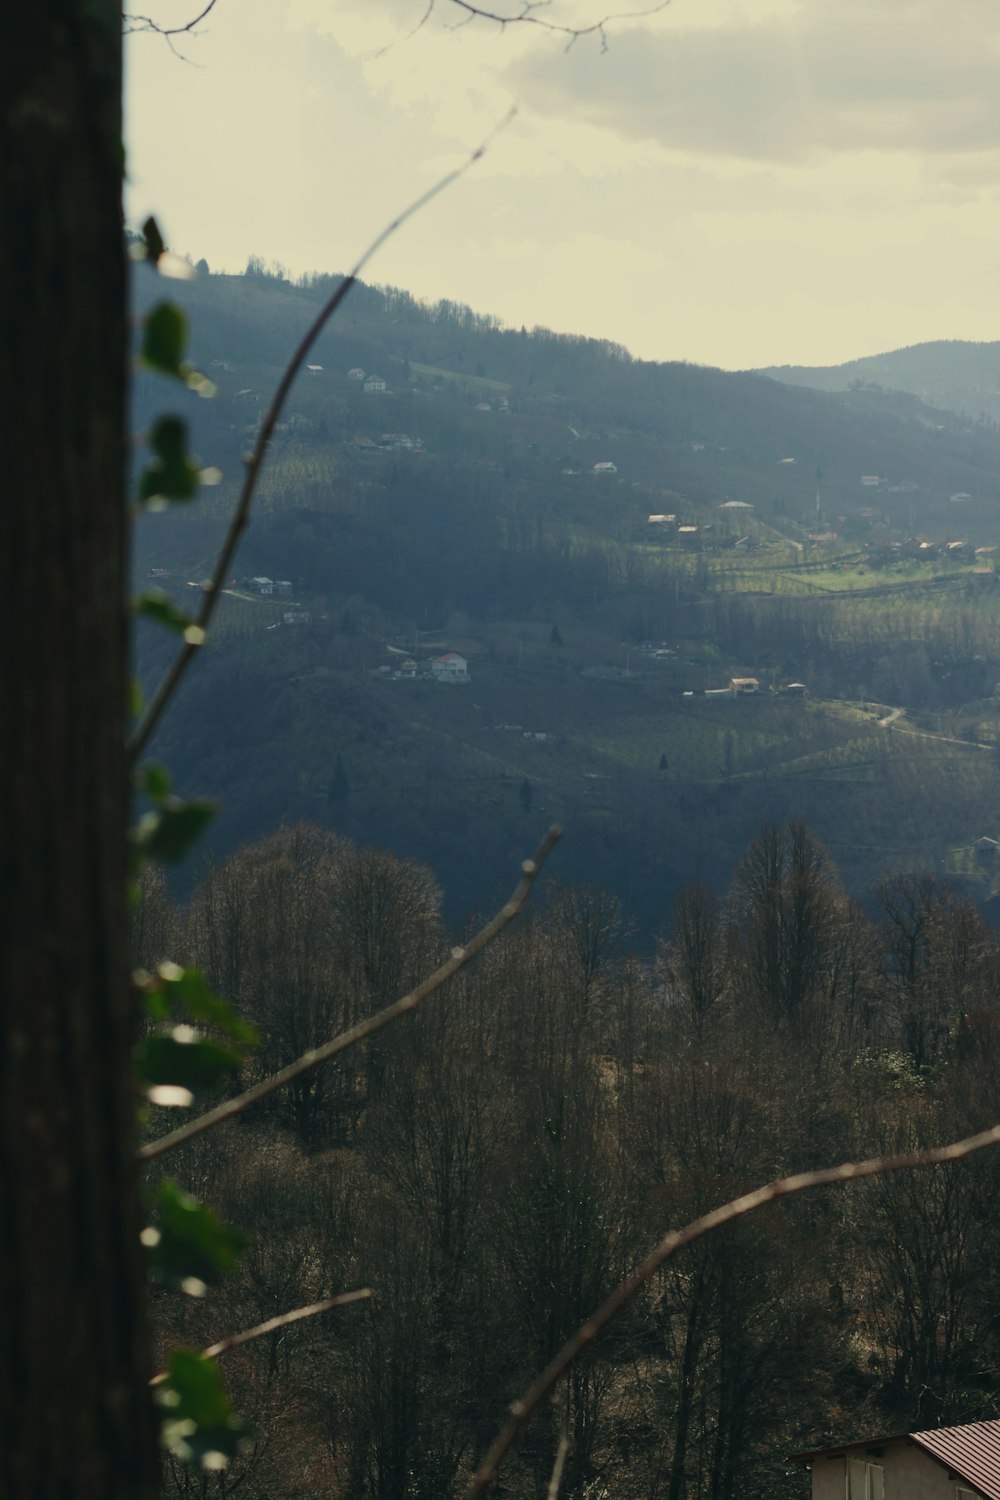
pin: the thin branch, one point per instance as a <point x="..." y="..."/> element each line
<point x="562" y="1453"/>
<point x="527" y="15"/>
<point x="140" y="736"/>
<point x="271" y="1325"/>
<point x="460" y="958"/>
<point x="146" y="23"/>
<point x="523" y="1410"/>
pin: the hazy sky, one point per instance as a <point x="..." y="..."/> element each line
<point x="737" y="182"/>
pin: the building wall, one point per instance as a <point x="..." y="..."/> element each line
<point x="910" y="1474"/>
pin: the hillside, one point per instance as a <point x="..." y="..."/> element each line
<point x="495" y="500"/>
<point x="956" y="375"/>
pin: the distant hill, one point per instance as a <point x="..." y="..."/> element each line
<point x="491" y="493"/>
<point x="953" y="374"/>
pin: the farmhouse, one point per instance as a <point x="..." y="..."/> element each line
<point x="450" y="668"/>
<point x="740" y="686"/>
<point x="374" y="386"/>
<point x="944" y="1463"/>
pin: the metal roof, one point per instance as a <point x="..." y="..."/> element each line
<point x="971" y="1452"/>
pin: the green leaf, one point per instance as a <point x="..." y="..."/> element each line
<point x="188" y="1245"/>
<point x="177" y="1063"/>
<point x="164" y="340"/>
<point x="196" y="1421"/>
<point x="187" y="993"/>
<point x="154" y="780"/>
<point x="157" y="605"/>
<point x="173" y="474"/>
<point x="169" y="832"/>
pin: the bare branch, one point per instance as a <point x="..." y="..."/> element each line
<point x="527" y="14"/>
<point x="140" y="736"/>
<point x="562" y="1453"/>
<point x="271" y="1325"/>
<point x="524" y="1409"/>
<point x="131" y="25"/>
<point x="460" y="957"/>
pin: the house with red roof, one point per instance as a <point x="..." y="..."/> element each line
<point x="450" y="668"/>
<point x="942" y="1463"/>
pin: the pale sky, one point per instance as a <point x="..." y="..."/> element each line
<point x="734" y="182"/>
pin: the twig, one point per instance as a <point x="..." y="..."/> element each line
<point x="460" y="957"/>
<point x="527" y="16"/>
<point x="271" y="1325"/>
<point x="146" y="23"/>
<point x="140" y="736"/>
<point x="524" y="1409"/>
<point x="562" y="1453"/>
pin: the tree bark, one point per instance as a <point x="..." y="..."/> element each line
<point x="75" y="1418"/>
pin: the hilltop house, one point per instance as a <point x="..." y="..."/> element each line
<point x="944" y="1463"/>
<point x="374" y="386"/>
<point x="450" y="668"/>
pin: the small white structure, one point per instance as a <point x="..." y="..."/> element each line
<point x="356" y="374"/>
<point x="870" y="481"/>
<point x="450" y="668"/>
<point x="296" y="617"/>
<point x="315" y="369"/>
<point x="606" y="468"/>
<point x="375" y="386"/>
<point x="283" y="586"/>
<point x="739" y="504"/>
<point x="661" y="519"/>
<point x="262" y="585"/>
<point x="741" y="686"/>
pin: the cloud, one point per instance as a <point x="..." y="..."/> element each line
<point x="856" y="75"/>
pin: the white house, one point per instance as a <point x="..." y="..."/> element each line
<point x="943" y="1463"/>
<point x="606" y="468"/>
<point x="450" y="668"/>
<point x="356" y="374"/>
<point x="262" y="585"/>
<point x="374" y="386"/>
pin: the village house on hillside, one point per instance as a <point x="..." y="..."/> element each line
<point x="374" y="386"/>
<point x="944" y="1463"/>
<point x="450" y="668"/>
<point x="740" y="686"/>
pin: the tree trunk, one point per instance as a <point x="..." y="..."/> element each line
<point x="75" y="1415"/>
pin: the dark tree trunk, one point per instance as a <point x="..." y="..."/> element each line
<point x="74" y="1409"/>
